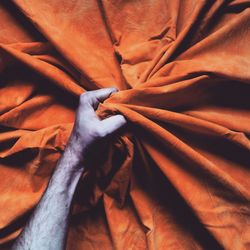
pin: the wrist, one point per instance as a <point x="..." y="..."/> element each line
<point x="67" y="173"/>
<point x="76" y="148"/>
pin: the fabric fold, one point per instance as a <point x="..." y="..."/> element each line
<point x="177" y="175"/>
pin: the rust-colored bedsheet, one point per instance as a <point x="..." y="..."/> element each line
<point x="178" y="177"/>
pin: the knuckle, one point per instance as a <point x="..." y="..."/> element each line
<point x="94" y="132"/>
<point x="100" y="132"/>
<point x="82" y="97"/>
<point x="85" y="98"/>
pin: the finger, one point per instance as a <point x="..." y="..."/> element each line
<point x="89" y="101"/>
<point x="112" y="124"/>
<point x="100" y="95"/>
<point x="85" y="109"/>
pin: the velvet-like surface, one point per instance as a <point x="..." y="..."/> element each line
<point x="178" y="177"/>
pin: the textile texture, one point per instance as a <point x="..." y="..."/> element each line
<point x="178" y="176"/>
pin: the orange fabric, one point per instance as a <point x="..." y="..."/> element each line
<point x="179" y="176"/>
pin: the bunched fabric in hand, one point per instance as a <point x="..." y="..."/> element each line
<point x="178" y="177"/>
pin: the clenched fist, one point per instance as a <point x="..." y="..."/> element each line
<point x="89" y="129"/>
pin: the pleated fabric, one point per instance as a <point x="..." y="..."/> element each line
<point x="178" y="176"/>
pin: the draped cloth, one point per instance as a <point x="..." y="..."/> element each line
<point x="178" y="175"/>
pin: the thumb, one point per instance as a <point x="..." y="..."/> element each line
<point x="112" y="124"/>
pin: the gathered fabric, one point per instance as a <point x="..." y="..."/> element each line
<point x="177" y="177"/>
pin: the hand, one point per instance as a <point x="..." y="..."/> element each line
<point x="54" y="207"/>
<point x="88" y="128"/>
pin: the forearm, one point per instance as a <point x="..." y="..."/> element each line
<point x="47" y="227"/>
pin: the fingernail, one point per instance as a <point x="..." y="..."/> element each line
<point x="115" y="88"/>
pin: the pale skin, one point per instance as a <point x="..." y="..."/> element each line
<point x="48" y="225"/>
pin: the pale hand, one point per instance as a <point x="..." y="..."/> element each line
<point x="89" y="129"/>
